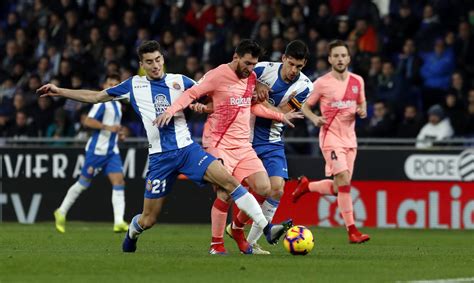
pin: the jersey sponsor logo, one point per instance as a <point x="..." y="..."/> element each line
<point x="140" y="86"/>
<point x="176" y="86"/>
<point x="343" y="104"/>
<point x="161" y="103"/>
<point x="202" y="160"/>
<point x="240" y="101"/>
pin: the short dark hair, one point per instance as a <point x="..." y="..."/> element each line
<point x="148" y="46"/>
<point x="297" y="49"/>
<point x="248" y="46"/>
<point x="336" y="43"/>
<point x="113" y="76"/>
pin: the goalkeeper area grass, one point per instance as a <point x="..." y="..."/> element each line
<point x="91" y="252"/>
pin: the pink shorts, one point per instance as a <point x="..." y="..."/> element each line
<point x="241" y="162"/>
<point x="339" y="160"/>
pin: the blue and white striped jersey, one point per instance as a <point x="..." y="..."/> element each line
<point x="104" y="142"/>
<point x="150" y="99"/>
<point x="265" y="131"/>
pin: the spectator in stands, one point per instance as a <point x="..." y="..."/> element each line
<point x="463" y="46"/>
<point x="406" y="22"/>
<point x="325" y="23"/>
<point x="42" y="114"/>
<point x="21" y="128"/>
<point x="178" y="58"/>
<point x="411" y="123"/>
<point x="95" y="45"/>
<point x="200" y="15"/>
<point x="436" y="72"/>
<point x="192" y="66"/>
<point x="409" y="64"/>
<point x="375" y="71"/>
<point x="458" y="87"/>
<point x="61" y="127"/>
<point x="365" y="35"/>
<point x="390" y="87"/>
<point x="456" y="113"/>
<point x="343" y="30"/>
<point x="430" y="29"/>
<point x="381" y="124"/>
<point x="438" y="128"/>
<point x="469" y="130"/>
<point x="212" y="49"/>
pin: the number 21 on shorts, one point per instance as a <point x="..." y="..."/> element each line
<point x="158" y="186"/>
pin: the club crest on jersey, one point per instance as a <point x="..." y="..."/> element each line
<point x="355" y="89"/>
<point x="161" y="103"/>
<point x="148" y="185"/>
<point x="176" y="86"/>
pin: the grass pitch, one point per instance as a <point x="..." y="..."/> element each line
<point x="91" y="252"/>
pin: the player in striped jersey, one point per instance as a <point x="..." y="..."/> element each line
<point x="101" y="154"/>
<point x="171" y="149"/>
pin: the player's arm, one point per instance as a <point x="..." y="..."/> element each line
<point x="205" y="86"/>
<point x="83" y="95"/>
<point x="94" y="124"/>
<point x="264" y="112"/>
<point x="362" y="109"/>
<point x="202" y="107"/>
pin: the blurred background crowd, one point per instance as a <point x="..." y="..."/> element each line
<point x="416" y="56"/>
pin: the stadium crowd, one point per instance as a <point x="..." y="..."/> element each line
<point x="416" y="57"/>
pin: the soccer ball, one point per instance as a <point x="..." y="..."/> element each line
<point x="298" y="240"/>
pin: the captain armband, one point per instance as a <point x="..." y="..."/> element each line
<point x="294" y="103"/>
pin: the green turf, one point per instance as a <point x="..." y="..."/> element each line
<point x="178" y="253"/>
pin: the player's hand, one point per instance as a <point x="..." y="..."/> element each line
<point x="162" y="120"/>
<point x="290" y="116"/>
<point x="361" y="111"/>
<point x="261" y="92"/>
<point x="318" y="121"/>
<point x="113" y="128"/>
<point x="202" y="108"/>
<point x="48" y="90"/>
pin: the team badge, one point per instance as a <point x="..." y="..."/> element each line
<point x="161" y="103"/>
<point x="176" y="86"/>
<point x="355" y="89"/>
<point x="148" y="185"/>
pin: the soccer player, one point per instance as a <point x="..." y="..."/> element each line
<point x="171" y="149"/>
<point x="341" y="95"/>
<point x="102" y="153"/>
<point x="289" y="88"/>
<point x="227" y="132"/>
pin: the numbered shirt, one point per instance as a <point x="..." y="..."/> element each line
<point x="151" y="98"/>
<point x="104" y="142"/>
<point x="265" y="131"/>
<point x="338" y="103"/>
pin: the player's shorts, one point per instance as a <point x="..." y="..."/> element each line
<point x="93" y="164"/>
<point x="163" y="169"/>
<point x="240" y="162"/>
<point x="274" y="160"/>
<point x="339" y="160"/>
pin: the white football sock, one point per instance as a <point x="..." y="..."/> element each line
<point x="118" y="203"/>
<point x="248" y="204"/>
<point x="269" y="208"/>
<point x="72" y="194"/>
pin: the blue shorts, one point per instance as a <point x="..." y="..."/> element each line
<point x="273" y="159"/>
<point x="163" y="169"/>
<point x="93" y="164"/>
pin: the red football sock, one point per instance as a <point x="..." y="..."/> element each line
<point x="344" y="201"/>
<point x="218" y="219"/>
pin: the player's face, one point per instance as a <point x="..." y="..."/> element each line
<point x="110" y="83"/>
<point x="245" y="65"/>
<point x="339" y="59"/>
<point x="152" y="63"/>
<point x="291" y="67"/>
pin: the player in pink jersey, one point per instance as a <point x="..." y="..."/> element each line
<point x="341" y="95"/>
<point x="227" y="133"/>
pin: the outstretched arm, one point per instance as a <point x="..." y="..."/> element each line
<point x="83" y="95"/>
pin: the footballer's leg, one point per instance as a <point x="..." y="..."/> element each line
<point x="118" y="201"/>
<point x="269" y="207"/>
<point x="219" y="211"/>
<point x="217" y="174"/>
<point x="142" y="222"/>
<point x="71" y="196"/>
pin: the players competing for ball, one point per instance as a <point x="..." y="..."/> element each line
<point x="341" y="95"/>
<point x="171" y="149"/>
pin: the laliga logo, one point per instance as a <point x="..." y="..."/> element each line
<point x="329" y="214"/>
<point x="449" y="167"/>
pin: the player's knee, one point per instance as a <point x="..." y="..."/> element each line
<point x="262" y="188"/>
<point x="276" y="194"/>
<point x="223" y="195"/>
